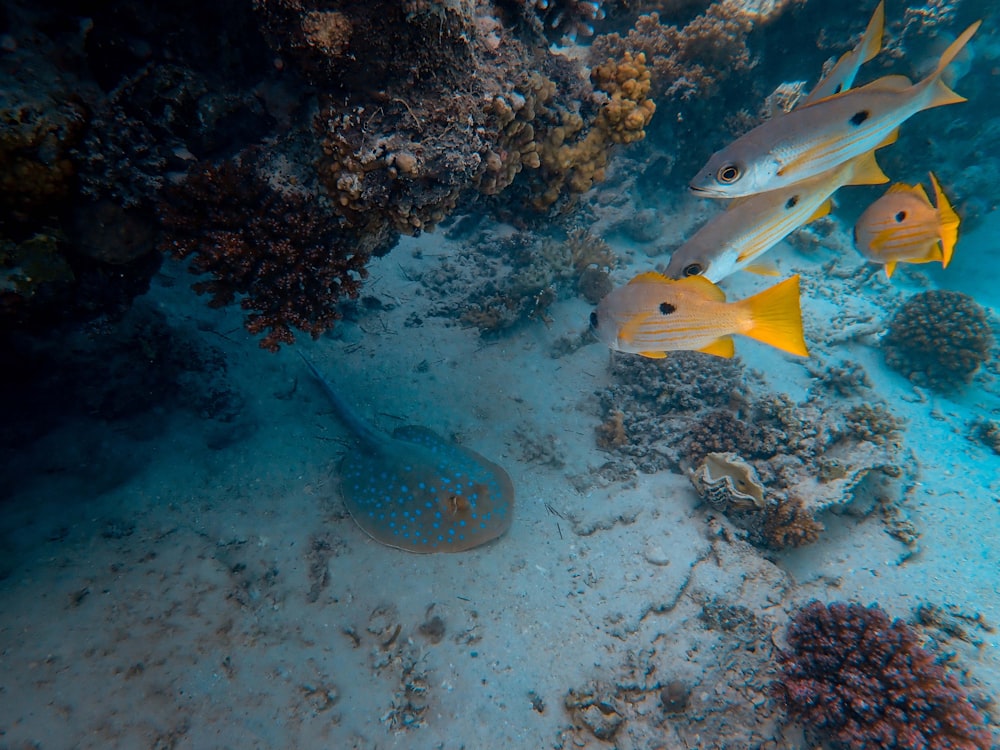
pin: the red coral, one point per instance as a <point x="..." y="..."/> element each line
<point x="863" y="680"/>
<point x="279" y="248"/>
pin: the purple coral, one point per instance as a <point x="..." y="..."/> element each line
<point x="863" y="681"/>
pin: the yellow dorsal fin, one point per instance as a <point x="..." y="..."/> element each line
<point x="822" y="210"/>
<point x="948" y="222"/>
<point x="648" y="277"/>
<point x="762" y="268"/>
<point x="917" y="190"/>
<point x="889" y="268"/>
<point x="704" y="287"/>
<point x="776" y="317"/>
<point x="866" y="171"/>
<point x="653" y="355"/>
<point x="899" y="187"/>
<point x="723" y="347"/>
<point x="942" y="94"/>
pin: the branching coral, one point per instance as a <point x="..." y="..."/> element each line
<point x="864" y="681"/>
<point x="939" y="339"/>
<point x="279" y="249"/>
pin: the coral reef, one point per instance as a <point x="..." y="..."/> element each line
<point x="570" y="160"/>
<point x="278" y="248"/>
<point x="789" y="523"/>
<point x="721" y="431"/>
<point x="808" y="458"/>
<point x="874" y="423"/>
<point x="699" y="60"/>
<point x="938" y="339"/>
<point x="501" y="281"/>
<point x="863" y="681"/>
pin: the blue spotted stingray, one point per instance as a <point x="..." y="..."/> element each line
<point x="417" y="491"/>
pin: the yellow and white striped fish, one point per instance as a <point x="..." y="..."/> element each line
<point x="652" y="315"/>
<point x="812" y="139"/>
<point x="842" y="74"/>
<point x="749" y="227"/>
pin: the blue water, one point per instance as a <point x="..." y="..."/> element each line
<point x="428" y="200"/>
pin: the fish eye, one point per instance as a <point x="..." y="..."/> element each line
<point x="728" y="174"/>
<point x="693" y="269"/>
<point x="900" y="216"/>
<point x="593" y="319"/>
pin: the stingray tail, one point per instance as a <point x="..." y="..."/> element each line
<point x="358" y="427"/>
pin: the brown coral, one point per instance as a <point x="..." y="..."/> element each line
<point x="611" y="432"/>
<point x="279" y="249"/>
<point x="790" y="524"/>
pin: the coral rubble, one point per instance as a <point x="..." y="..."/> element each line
<point x="703" y="416"/>
<point x="863" y="681"/>
<point x="938" y="339"/>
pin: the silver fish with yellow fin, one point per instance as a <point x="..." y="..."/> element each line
<point x="814" y="138"/>
<point x="749" y="227"/>
<point x="842" y="74"/>
<point x="652" y="315"/>
<point x="903" y="226"/>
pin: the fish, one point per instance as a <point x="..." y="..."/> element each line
<point x="903" y="226"/>
<point x="845" y="70"/>
<point x="653" y="314"/>
<point x="749" y="227"/>
<point x="814" y="138"/>
<point x="416" y="491"/>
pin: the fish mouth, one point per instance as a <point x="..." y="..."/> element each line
<point x="704" y="191"/>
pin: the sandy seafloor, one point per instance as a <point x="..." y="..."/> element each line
<point x="214" y="594"/>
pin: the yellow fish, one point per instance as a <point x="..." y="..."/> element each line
<point x="842" y="74"/>
<point x="652" y="315"/>
<point x="749" y="227"/>
<point x="812" y="139"/>
<point x="904" y="227"/>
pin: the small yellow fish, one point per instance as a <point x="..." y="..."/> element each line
<point x="809" y="140"/>
<point x="749" y="227"/>
<point x="904" y="227"/>
<point x="842" y="74"/>
<point x="652" y="315"/>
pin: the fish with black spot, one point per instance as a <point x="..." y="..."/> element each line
<point x="653" y="315"/>
<point x="903" y="226"/>
<point x="817" y="137"/>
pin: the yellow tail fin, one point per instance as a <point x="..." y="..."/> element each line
<point x="941" y="94"/>
<point x="948" y="221"/>
<point x="776" y="317"/>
